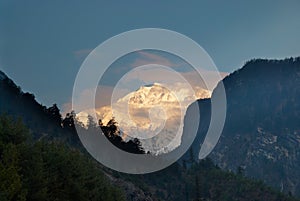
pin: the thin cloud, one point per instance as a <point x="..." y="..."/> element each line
<point x="149" y="58"/>
<point x="82" y="53"/>
<point x="205" y="79"/>
<point x="102" y="98"/>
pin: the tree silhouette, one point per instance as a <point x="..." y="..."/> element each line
<point x="54" y="113"/>
<point x="68" y="121"/>
<point x="113" y="134"/>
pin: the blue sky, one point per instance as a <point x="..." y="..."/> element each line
<point x="43" y="43"/>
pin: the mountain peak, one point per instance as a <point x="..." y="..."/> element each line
<point x="153" y="108"/>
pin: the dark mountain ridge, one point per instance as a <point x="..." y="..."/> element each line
<point x="199" y="181"/>
<point x="262" y="126"/>
<point x="43" y="122"/>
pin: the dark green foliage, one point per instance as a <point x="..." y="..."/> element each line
<point x="203" y="181"/>
<point x="47" y="171"/>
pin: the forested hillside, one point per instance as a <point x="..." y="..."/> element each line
<point x="262" y="127"/>
<point x="46" y="161"/>
<point x="38" y="170"/>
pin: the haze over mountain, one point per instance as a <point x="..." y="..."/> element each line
<point x="153" y="114"/>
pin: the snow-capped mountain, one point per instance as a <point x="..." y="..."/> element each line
<point x="153" y="113"/>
